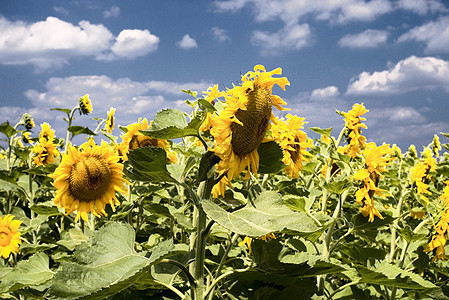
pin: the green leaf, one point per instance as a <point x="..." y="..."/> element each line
<point x="445" y="134"/>
<point x="13" y="187"/>
<point x="27" y="273"/>
<point x="337" y="186"/>
<point x="75" y="130"/>
<point x="206" y="106"/>
<point x="148" y="164"/>
<point x="7" y="129"/>
<point x="295" y="203"/>
<point x="270" y="158"/>
<point x="172" y="124"/>
<point x="309" y="265"/>
<point x="189" y="92"/>
<point x="66" y="110"/>
<point x="208" y="161"/>
<point x="268" y="215"/>
<point x="105" y="265"/>
<point x="326" y="132"/>
<point x="361" y="223"/>
<point x="46" y="208"/>
<point x="391" y="275"/>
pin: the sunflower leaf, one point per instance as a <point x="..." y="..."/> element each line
<point x="268" y="215"/>
<point x="75" y="130"/>
<point x="322" y="131"/>
<point x="27" y="273"/>
<point x="103" y="266"/>
<point x="148" y="164"/>
<point x="7" y="129"/>
<point x="270" y="158"/>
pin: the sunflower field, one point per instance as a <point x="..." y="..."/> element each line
<point x="225" y="202"/>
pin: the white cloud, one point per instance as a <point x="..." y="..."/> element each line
<point x="61" y="10"/>
<point x="291" y="37"/>
<point x="114" y="11"/>
<point x="220" y="34"/>
<point x="434" y="34"/>
<point x="325" y="93"/>
<point x="421" y="7"/>
<point x="187" y="42"/>
<point x="367" y="39"/>
<point x="52" y="43"/>
<point x="132" y="43"/>
<point x="292" y="11"/>
<point x="132" y="99"/>
<point x="410" y="74"/>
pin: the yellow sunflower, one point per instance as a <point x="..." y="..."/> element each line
<point x="294" y="143"/>
<point x="87" y="178"/>
<point x="134" y="139"/>
<point x="241" y="126"/>
<point x="9" y="236"/>
<point x="45" y="152"/>
<point x="85" y="105"/>
<point x="47" y="132"/>
<point x="110" y="120"/>
<point x="353" y="120"/>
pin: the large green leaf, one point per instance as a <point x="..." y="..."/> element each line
<point x="391" y="275"/>
<point x="270" y="158"/>
<point x="268" y="215"/>
<point x="75" y="130"/>
<point x="172" y="124"/>
<point x="27" y="273"/>
<point x="103" y="266"/>
<point x="7" y="129"/>
<point x="148" y="164"/>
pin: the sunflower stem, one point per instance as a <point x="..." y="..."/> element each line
<point x="69" y="121"/>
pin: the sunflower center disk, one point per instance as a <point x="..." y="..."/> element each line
<point x="139" y="141"/>
<point x="90" y="178"/>
<point x="246" y="138"/>
<point x="5" y="237"/>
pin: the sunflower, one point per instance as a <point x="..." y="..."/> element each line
<point x="9" y="236"/>
<point x="47" y="132"/>
<point x="247" y="240"/>
<point x="210" y="95"/>
<point x="134" y="139"/>
<point x="87" y="178"/>
<point x="26" y="137"/>
<point x="356" y="141"/>
<point x="293" y="141"/>
<point x="27" y="121"/>
<point x="84" y="105"/>
<point x="110" y="120"/>
<point x="376" y="157"/>
<point x="420" y="174"/>
<point x="241" y="126"/>
<point x="45" y="152"/>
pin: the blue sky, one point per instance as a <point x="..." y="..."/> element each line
<point x="137" y="55"/>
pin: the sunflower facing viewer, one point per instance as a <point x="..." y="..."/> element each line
<point x="87" y="180"/>
<point x="241" y="126"/>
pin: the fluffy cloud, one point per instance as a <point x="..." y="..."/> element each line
<point x="410" y="74"/>
<point x="134" y="43"/>
<point x="366" y="39"/>
<point x="187" y="42"/>
<point x="421" y="7"/>
<point x="53" y="42"/>
<point x="434" y="34"/>
<point x="114" y="11"/>
<point x="132" y="99"/>
<point x="325" y="93"/>
<point x="220" y="34"/>
<point x="292" y="11"/>
<point x="291" y="37"/>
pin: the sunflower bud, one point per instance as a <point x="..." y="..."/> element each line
<point x="28" y="121"/>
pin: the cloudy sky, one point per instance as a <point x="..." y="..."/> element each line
<point x="136" y="56"/>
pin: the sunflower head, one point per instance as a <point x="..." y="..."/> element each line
<point x="45" y="152"/>
<point x="9" y="236"/>
<point x="87" y="179"/>
<point x="134" y="139"/>
<point x="46" y="132"/>
<point x="241" y="126"/>
<point x="26" y="137"/>
<point x="110" y="120"/>
<point x="85" y="105"/>
<point x="27" y="121"/>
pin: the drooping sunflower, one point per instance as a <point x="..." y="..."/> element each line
<point x="85" y="105"/>
<point x="134" y="139"/>
<point x="241" y="126"/>
<point x="87" y="179"/>
<point x="110" y="120"/>
<point x="45" y="152"/>
<point x="27" y="121"/>
<point x="376" y="158"/>
<point x="294" y="143"/>
<point x="353" y="120"/>
<point x="9" y="236"/>
<point x="420" y="174"/>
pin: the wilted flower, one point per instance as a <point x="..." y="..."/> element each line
<point x="27" y="121"/>
<point x="110" y="121"/>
